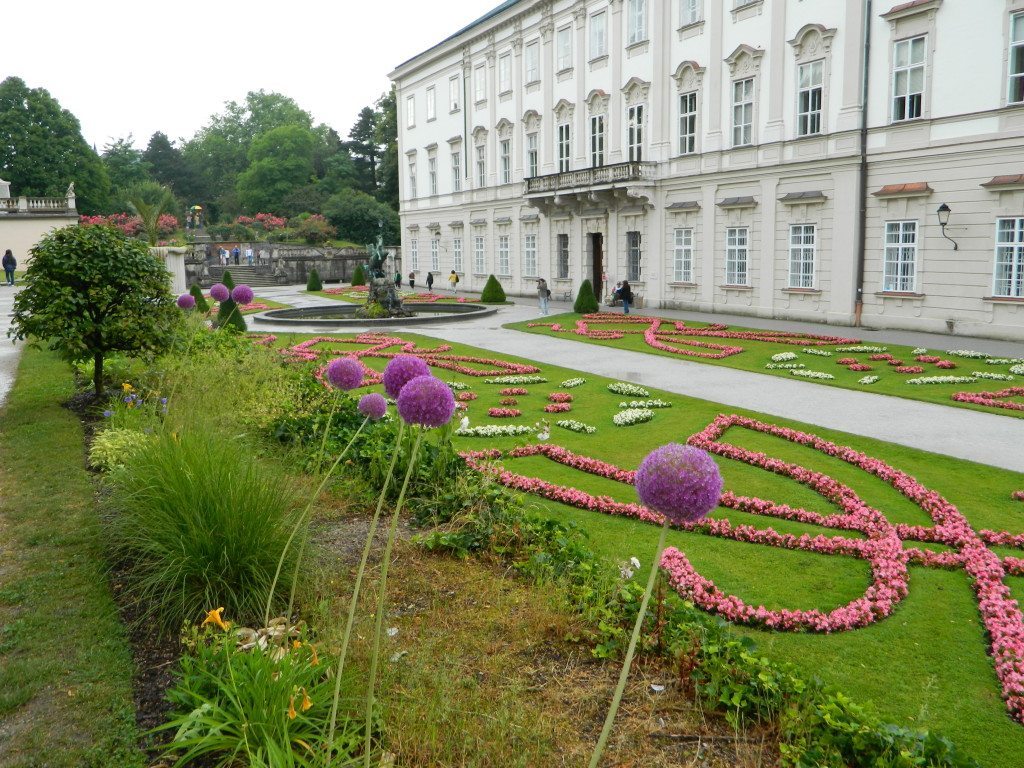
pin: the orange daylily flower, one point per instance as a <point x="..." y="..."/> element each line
<point x="296" y="644"/>
<point x="315" y="659"/>
<point x="292" y="714"/>
<point x="213" y="617"/>
<point x="306" y="701"/>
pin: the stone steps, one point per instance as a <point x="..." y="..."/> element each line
<point x="251" y="276"/>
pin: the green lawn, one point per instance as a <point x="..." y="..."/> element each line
<point x="926" y="665"/>
<point x="757" y="354"/>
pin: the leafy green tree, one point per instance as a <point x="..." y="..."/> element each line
<point x="125" y="164"/>
<point x="586" y="301"/>
<point x="281" y="162"/>
<point x="149" y="201"/>
<point x="387" y="137"/>
<point x="362" y="145"/>
<point x="168" y="166"/>
<point x="42" y="150"/>
<point x="492" y="293"/>
<point x="357" y="216"/>
<point x="93" y="290"/>
<point x="307" y="199"/>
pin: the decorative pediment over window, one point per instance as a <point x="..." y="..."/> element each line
<point x="455" y="141"/>
<point x="597" y="102"/>
<point x="504" y="128"/>
<point x="812" y="41"/>
<point x="635" y="90"/>
<point x="745" y="60"/>
<point x="688" y="76"/>
<point x="479" y="135"/>
<point x="564" y="110"/>
<point x="531" y="120"/>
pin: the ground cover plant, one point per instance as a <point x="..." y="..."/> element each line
<point x="958" y="377"/>
<point x="356" y="294"/>
<point x="893" y="575"/>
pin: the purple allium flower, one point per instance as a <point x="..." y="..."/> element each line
<point x="680" y="481"/>
<point x="344" y="373"/>
<point x="187" y="301"/>
<point x="219" y="292"/>
<point x="427" y="401"/>
<point x="373" y="405"/>
<point x="400" y="369"/>
<point x="107" y="414"/>
<point x="242" y="294"/>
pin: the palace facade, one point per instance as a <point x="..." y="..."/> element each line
<point x="834" y="161"/>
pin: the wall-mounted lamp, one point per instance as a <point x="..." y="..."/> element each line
<point x="943" y="214"/>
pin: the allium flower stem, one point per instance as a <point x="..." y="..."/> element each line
<point x="358" y="585"/>
<point x="610" y="720"/>
<point x="382" y="594"/>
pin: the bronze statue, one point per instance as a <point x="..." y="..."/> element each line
<point x="377" y="257"/>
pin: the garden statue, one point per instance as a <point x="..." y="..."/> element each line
<point x="382" y="298"/>
<point x="377" y="257"/>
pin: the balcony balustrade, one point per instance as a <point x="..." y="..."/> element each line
<point x="601" y="176"/>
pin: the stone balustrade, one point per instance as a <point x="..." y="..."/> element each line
<point x="35" y="205"/>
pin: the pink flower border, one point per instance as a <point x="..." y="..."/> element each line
<point x="993" y="399"/>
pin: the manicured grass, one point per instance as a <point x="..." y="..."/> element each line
<point x="65" y="666"/>
<point x="924" y="666"/>
<point x="757" y="354"/>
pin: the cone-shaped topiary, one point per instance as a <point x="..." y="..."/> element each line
<point x="202" y="305"/>
<point x="493" y="293"/>
<point x="228" y="315"/>
<point x="359" y="276"/>
<point x="586" y="301"/>
<point x="314" y="283"/>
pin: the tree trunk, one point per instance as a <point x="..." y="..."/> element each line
<point x="97" y="373"/>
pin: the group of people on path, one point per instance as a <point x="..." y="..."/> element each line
<point x="235" y="254"/>
<point x="453" y="280"/>
<point x="621" y="293"/>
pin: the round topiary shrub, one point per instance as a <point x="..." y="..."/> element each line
<point x="314" y="283"/>
<point x="228" y="314"/>
<point x="202" y="305"/>
<point x="586" y="301"/>
<point x="359" y="276"/>
<point x="493" y="293"/>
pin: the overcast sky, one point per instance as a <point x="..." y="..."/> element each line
<point x="138" y="66"/>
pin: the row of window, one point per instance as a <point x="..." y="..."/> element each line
<point x="899" y="270"/>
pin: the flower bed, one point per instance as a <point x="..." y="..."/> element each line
<point x="514" y="391"/>
<point x="908" y="369"/>
<point x="806" y="374"/>
<point x="575" y="382"/>
<point x="516" y="379"/>
<point x="784" y="366"/>
<point x="656" y="403"/>
<point x="1017" y="495"/>
<point x="630" y="390"/>
<point x="503" y="413"/>
<point x="578" y="426"/>
<point x="631" y="416"/>
<point x="942" y="380"/>
<point x="466" y="397"/>
<point x="993" y="399"/>
<point x="495" y="430"/>
<point x="868" y="380"/>
<point x="560" y="397"/>
<point x="508" y="401"/>
<point x="557" y="408"/>
<point x="992" y="376"/>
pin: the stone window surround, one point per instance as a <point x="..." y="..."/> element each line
<point x="813" y="42"/>
<point x="744" y="63"/>
<point x="635" y="94"/>
<point x="689" y="77"/>
<point x="907" y="22"/>
<point x="1013" y="7"/>
<point x="914" y="292"/>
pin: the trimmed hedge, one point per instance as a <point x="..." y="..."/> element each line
<point x="586" y="301"/>
<point x="493" y="293"/>
<point x="202" y="304"/>
<point x="359" y="276"/>
<point x="228" y="316"/>
<point x="314" y="283"/>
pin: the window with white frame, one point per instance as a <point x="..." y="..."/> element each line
<point x="598" y="35"/>
<point x="414" y="254"/>
<point x="504" y="266"/>
<point x="454" y="93"/>
<point x="505" y="154"/>
<point x="412" y="177"/>
<point x="410" y="112"/>
<point x="529" y="255"/>
<point x="802" y="243"/>
<point x="900" y="269"/>
<point x="431" y="103"/>
<point x="481" y="165"/>
<point x="1009" y="273"/>
<point x="597" y="140"/>
<point x="432" y="173"/>
<point x="478" y="254"/>
<point x="563" y="256"/>
<point x="435" y="254"/>
<point x="689" y="12"/>
<point x="637" y="21"/>
<point x="532" y="154"/>
<point x="505" y="73"/>
<point x="688" y="123"/>
<point x="479" y="83"/>
<point x="682" y="255"/>
<point x="1016" y="95"/>
<point x="633" y="256"/>
<point x="563" y="47"/>
<point x="457" y="254"/>
<point x="742" y="112"/>
<point x="737" y="241"/>
<point x="635" y="132"/>
<point x="908" y="79"/>
<point x="564" y="148"/>
<point x="531" y="59"/>
<point x="808" y="98"/>
<point x="456" y="169"/>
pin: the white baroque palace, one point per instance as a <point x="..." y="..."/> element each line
<point x="834" y="160"/>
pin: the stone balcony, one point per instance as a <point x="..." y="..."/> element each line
<point x="630" y="183"/>
<point x="36" y="205"/>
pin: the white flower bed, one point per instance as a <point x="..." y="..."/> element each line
<point x="1018" y="369"/>
<point x="570" y="383"/>
<point x="783" y="357"/>
<point x="784" y="366"/>
<point x="646" y="404"/>
<point x="496" y="430"/>
<point x="862" y="348"/>
<point x="819" y="352"/>
<point x="1004" y="360"/>
<point x="516" y="380"/>
<point x="919" y="351"/>
<point x="805" y="374"/>
<point x="942" y="380"/>
<point x="456" y="386"/>
<point x="992" y="376"/>
<point x="631" y="416"/>
<point x="868" y="380"/>
<point x="969" y="353"/>
<point x="630" y="390"/>
<point x="576" y="426"/>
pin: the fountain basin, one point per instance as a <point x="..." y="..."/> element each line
<point x="339" y="314"/>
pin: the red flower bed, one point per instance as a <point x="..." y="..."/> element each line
<point x="945" y="364"/>
<point x="503" y="413"/>
<point x="908" y="369"/>
<point x="846" y="361"/>
<point x="993" y="399"/>
<point x="508" y="401"/>
<point x="557" y="408"/>
<point x="894" y="362"/>
<point x="513" y="391"/>
<point x="927" y="359"/>
<point x="465" y="397"/>
<point x="880" y="356"/>
<point x="860" y="367"/>
<point x="560" y="397"/>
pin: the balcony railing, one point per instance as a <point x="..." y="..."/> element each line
<point x="34" y="205"/>
<point x="591" y="177"/>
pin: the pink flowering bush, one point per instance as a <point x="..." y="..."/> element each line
<point x="167" y="224"/>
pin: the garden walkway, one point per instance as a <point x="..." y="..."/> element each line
<point x="975" y="436"/>
<point x="8" y="352"/>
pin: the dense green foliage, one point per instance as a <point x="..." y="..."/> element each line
<point x="359" y="275"/>
<point x="586" y="301"/>
<point x="149" y="201"/>
<point x="492" y="293"/>
<point x="92" y="290"/>
<point x="202" y="305"/>
<point x="357" y="216"/>
<point x="313" y="282"/>
<point x="280" y="162"/>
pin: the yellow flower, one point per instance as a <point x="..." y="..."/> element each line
<point x="315" y="659"/>
<point x="127" y="387"/>
<point x="292" y="714"/>
<point x="296" y="644"/>
<point x="306" y="702"/>
<point x="213" y="617"/>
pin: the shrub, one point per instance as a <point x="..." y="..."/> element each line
<point x="359" y="276"/>
<point x="199" y="523"/>
<point x="202" y="305"/>
<point x="357" y="216"/>
<point x="314" y="229"/>
<point x="314" y="283"/>
<point x="228" y="315"/>
<point x="114" y="448"/>
<point x="586" y="301"/>
<point x="493" y="293"/>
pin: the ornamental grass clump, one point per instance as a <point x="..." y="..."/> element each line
<point x="684" y="484"/>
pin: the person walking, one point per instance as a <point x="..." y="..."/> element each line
<point x="453" y="280"/>
<point x="398" y="280"/>
<point x="430" y="281"/>
<point x="543" y="294"/>
<point x="248" y="255"/>
<point x="237" y="253"/>
<point x="626" y="295"/>
<point x="412" y="280"/>
<point x="9" y="264"/>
